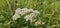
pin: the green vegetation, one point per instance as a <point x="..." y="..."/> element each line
<point x="49" y="13"/>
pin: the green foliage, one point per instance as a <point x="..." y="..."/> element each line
<point x="49" y="13"/>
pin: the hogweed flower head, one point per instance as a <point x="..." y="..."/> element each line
<point x="36" y="12"/>
<point x="37" y="23"/>
<point x="23" y="11"/>
<point x="15" y="17"/>
<point x="17" y="11"/>
<point x="30" y="17"/>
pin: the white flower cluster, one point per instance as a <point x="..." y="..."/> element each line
<point x="30" y="17"/>
<point x="23" y="11"/>
<point x="37" y="23"/>
<point x="15" y="16"/>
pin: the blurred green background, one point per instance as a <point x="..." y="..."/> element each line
<point x="49" y="13"/>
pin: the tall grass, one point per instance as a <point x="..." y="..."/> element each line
<point x="49" y="13"/>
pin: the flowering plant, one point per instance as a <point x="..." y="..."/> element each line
<point x="29" y="15"/>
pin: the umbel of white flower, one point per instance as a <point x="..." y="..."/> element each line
<point x="37" y="23"/>
<point x="24" y="11"/>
